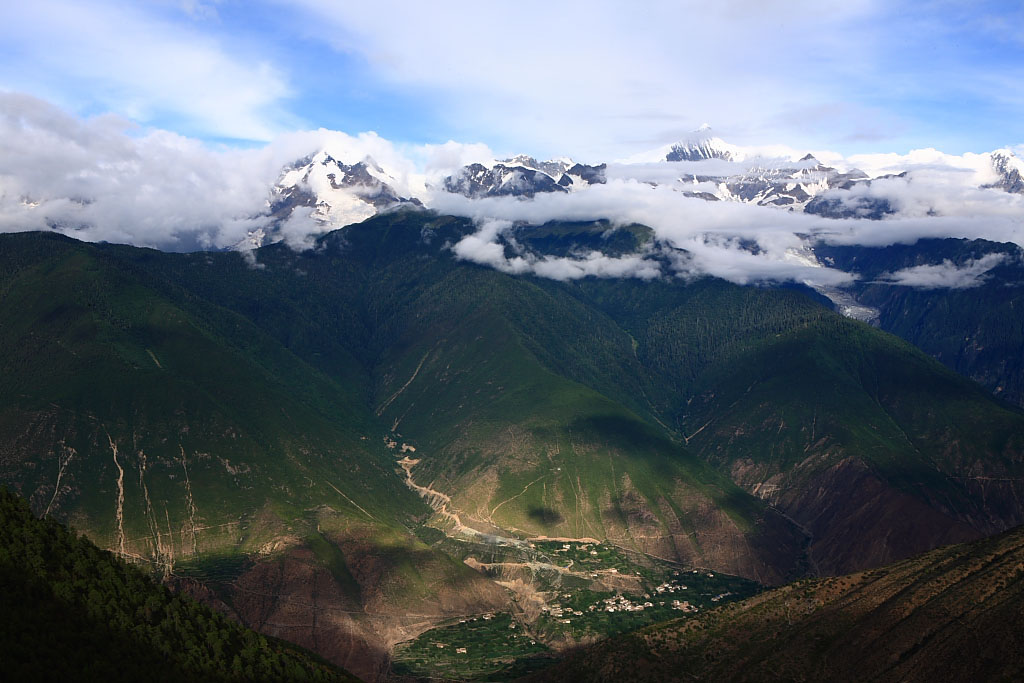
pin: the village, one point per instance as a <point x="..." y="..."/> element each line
<point x="581" y="590"/>
<point x="622" y="603"/>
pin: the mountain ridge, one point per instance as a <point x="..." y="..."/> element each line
<point x="334" y="186"/>
<point x="524" y="408"/>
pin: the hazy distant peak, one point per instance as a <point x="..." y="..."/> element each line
<point x="703" y="144"/>
<point x="1009" y="170"/>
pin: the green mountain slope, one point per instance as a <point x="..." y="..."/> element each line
<point x="175" y="432"/>
<point x="292" y="420"/>
<point x="953" y="614"/>
<point x="488" y="375"/>
<point x="74" y="612"/>
<point x="500" y="381"/>
<point x="874" y="450"/>
<point x="388" y="294"/>
<point x="872" y="447"/>
<point x="96" y="359"/>
<point x="977" y="331"/>
<point x="897" y="442"/>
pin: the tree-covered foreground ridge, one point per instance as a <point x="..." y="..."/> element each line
<point x="75" y="612"/>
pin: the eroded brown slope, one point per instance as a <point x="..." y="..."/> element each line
<point x="350" y="592"/>
<point x="953" y="614"/>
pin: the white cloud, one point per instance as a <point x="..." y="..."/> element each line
<point x="946" y="275"/>
<point x="120" y="58"/>
<point x="713" y="233"/>
<point x="928" y="159"/>
<point x="483" y="247"/>
<point x="594" y="78"/>
<point x="601" y="78"/>
<point x="452" y="155"/>
<point x="940" y="195"/>
<point x="93" y="180"/>
<point x="99" y="180"/>
<point x="103" y="179"/>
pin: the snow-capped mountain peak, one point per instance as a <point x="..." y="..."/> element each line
<point x="339" y="193"/>
<point x="553" y="168"/>
<point x="332" y="188"/>
<point x="320" y="193"/>
<point x="523" y="176"/>
<point x="702" y="145"/>
<point x="1009" y="170"/>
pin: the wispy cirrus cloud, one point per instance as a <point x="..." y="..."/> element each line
<point x="599" y="79"/>
<point x="142" y="64"/>
<point x="596" y="80"/>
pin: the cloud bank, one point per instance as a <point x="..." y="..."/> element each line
<point x="104" y="179"/>
<point x="946" y="275"/>
<point x="742" y="243"/>
<point x="483" y="247"/>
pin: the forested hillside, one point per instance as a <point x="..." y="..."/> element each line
<point x="976" y="328"/>
<point x="75" y="612"/>
<point x="351" y="445"/>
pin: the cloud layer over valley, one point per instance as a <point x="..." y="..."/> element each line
<point x="946" y="275"/>
<point x="104" y="179"/>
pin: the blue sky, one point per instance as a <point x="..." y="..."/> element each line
<point x="593" y="79"/>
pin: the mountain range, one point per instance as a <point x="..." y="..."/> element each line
<point x="709" y="168"/>
<point x="458" y="423"/>
<point x="323" y="193"/>
<point x="334" y="188"/>
<point x="350" y="445"/>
